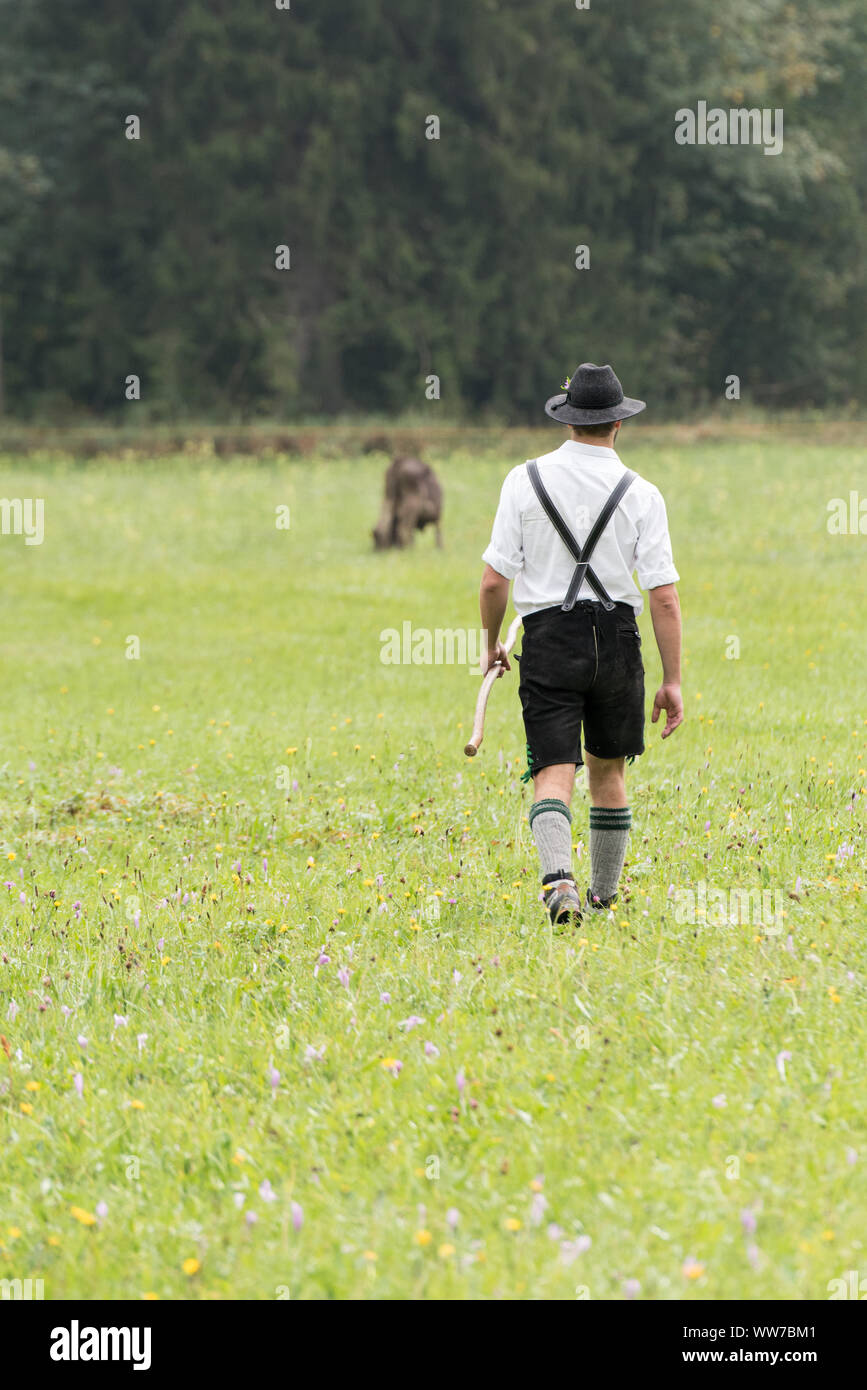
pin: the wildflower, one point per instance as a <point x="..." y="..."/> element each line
<point x="691" y="1268"/>
<point x="274" y="1078"/>
<point x="393" y="1065"/>
<point x="748" y="1221"/>
<point x="78" y="1083"/>
<point x="512" y="1223"/>
<point x="102" y="1210"/>
<point x="191" y="1265"/>
<point x="412" y="1022"/>
<point x="446" y="1251"/>
<point x="343" y="976"/>
<point x="266" y="1191"/>
<point x="782" y="1059"/>
<point x="538" y="1207"/>
<point x="431" y="1050"/>
<point x="571" y="1249"/>
<point x="85" y="1217"/>
<point x="385" y="997"/>
<point x="461" y="1082"/>
<point x="423" y="1238"/>
<point x="297" y="1216"/>
<point x="141" y="1039"/>
<point x="631" y="1288"/>
<point x="452" y="1217"/>
<point x="719" y="1102"/>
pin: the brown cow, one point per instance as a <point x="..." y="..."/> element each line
<point x="413" y="499"/>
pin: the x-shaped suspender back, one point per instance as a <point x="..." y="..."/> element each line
<point x="579" y="554"/>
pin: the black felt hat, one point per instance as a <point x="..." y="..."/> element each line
<point x="593" y="396"/>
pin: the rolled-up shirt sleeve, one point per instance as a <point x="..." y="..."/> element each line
<point x="505" y="554"/>
<point x="654" y="563"/>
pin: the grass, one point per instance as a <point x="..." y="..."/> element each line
<point x="186" y="837"/>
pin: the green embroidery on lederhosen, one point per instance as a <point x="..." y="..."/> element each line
<point x="529" y="773"/>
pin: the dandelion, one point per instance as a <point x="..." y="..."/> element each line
<point x="191" y="1266"/>
<point x="86" y="1218"/>
<point x="446" y="1251"/>
<point x="423" y="1238"/>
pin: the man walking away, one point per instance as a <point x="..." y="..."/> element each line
<point x="571" y="529"/>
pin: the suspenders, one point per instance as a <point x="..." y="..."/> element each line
<point x="581" y="556"/>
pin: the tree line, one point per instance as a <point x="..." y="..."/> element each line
<point x="226" y="209"/>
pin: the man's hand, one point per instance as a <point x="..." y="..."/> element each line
<point x="497" y="655"/>
<point x="668" y="698"/>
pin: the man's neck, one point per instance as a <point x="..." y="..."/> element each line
<point x="595" y="443"/>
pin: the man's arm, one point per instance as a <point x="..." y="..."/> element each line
<point x="493" y="600"/>
<point x="665" y="612"/>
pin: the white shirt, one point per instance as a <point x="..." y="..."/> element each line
<point x="579" y="477"/>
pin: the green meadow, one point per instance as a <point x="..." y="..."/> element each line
<point x="282" y="1014"/>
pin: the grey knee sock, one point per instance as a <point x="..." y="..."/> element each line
<point x="551" y="824"/>
<point x="609" y="833"/>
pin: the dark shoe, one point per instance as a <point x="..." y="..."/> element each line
<point x="564" y="904"/>
<point x="600" y="904"/>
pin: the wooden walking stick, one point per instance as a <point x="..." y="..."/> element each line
<point x="472" y="748"/>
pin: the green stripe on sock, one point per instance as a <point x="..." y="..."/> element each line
<point x="613" y="816"/>
<point x="551" y="804"/>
